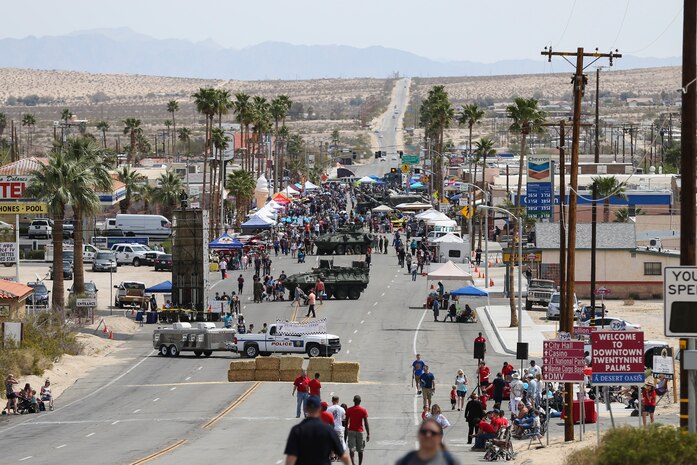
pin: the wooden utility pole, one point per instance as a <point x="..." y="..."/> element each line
<point x="579" y="82"/>
<point x="688" y="144"/>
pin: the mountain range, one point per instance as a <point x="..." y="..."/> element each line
<point x="121" y="50"/>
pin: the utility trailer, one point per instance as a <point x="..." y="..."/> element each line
<point x="202" y="339"/>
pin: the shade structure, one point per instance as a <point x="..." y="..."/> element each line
<point x="256" y="222"/>
<point x="225" y="242"/>
<point x="449" y="238"/>
<point x="366" y="180"/>
<point x="417" y="185"/>
<point x="382" y="209"/>
<point x="290" y="191"/>
<point x="280" y="198"/>
<point x="165" y="287"/>
<point x="471" y="291"/>
<point x="449" y="271"/>
<point x="413" y="206"/>
<point x="308" y="186"/>
<point x="433" y="215"/>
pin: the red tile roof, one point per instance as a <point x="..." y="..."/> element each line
<point x="22" y="167"/>
<point x="12" y="290"/>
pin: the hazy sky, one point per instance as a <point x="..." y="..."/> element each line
<point x="477" y="30"/>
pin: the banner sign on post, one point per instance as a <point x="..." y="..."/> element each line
<point x="85" y="302"/>
<point x="296" y="328"/>
<point x="618" y="357"/>
<point x="23" y="208"/>
<point x="539" y="188"/>
<point x="563" y="361"/>
<point x="7" y="252"/>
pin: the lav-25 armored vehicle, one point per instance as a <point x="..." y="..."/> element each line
<point x="339" y="281"/>
<point x="348" y="240"/>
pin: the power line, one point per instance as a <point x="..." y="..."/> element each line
<point x="624" y="16"/>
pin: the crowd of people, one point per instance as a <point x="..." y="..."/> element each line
<point x="26" y="400"/>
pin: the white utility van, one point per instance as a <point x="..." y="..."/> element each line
<point x="140" y="225"/>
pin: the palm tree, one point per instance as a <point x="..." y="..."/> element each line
<point x="622" y="215"/>
<point x="104" y="127"/>
<point x="221" y="144"/>
<point x="205" y="101"/>
<point x="87" y="157"/>
<point x="435" y="115"/>
<point x="29" y="120"/>
<point x="484" y="148"/>
<point x="51" y="184"/>
<point x="261" y="117"/>
<point x="145" y="194"/>
<point x="242" y="109"/>
<point x="133" y="130"/>
<point x="172" y="108"/>
<point x="527" y="118"/>
<point x="168" y="124"/>
<point x="3" y="123"/>
<point x="241" y="184"/>
<point x="132" y="180"/>
<point x="280" y="106"/>
<point x="167" y="192"/>
<point x="470" y="115"/>
<point x="606" y="188"/>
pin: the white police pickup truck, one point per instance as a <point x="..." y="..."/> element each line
<point x="287" y="338"/>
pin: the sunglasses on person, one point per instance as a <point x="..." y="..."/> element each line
<point x="429" y="432"/>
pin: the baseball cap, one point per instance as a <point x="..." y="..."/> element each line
<point x="325" y="406"/>
<point x="313" y="402"/>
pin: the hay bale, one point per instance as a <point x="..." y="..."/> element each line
<point x="266" y="375"/>
<point x="289" y="375"/>
<point x="268" y="363"/>
<point x="345" y="372"/>
<point x="243" y="364"/>
<point x="240" y="375"/>
<point x="319" y="364"/>
<point x="291" y="363"/>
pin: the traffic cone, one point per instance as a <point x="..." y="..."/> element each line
<point x="491" y="283"/>
<point x="476" y="270"/>
<point x="105" y="330"/>
<point x="111" y="335"/>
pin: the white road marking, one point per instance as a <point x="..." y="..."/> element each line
<point x="172" y="389"/>
<point x="89" y="435"/>
<point x="416" y="335"/>
<point x="362" y="321"/>
<point x="187" y="378"/>
<point x="156" y="399"/>
<point x="200" y="368"/>
<point x="26" y="458"/>
<point x="369" y="312"/>
<point x="116" y="422"/>
<point x="388" y="286"/>
<point x="136" y="410"/>
<point x="375" y="304"/>
<point x="61" y="446"/>
<point x="279" y="461"/>
<point x="347" y="352"/>
<point x="350" y="341"/>
<point x="383" y="295"/>
<point x="355" y="331"/>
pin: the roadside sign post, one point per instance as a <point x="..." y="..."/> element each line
<point x="618" y="358"/>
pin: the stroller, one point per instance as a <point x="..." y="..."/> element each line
<point x="500" y="447"/>
<point x="25" y="405"/>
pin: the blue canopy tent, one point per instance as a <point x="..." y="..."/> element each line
<point x="470" y="291"/>
<point x="417" y="185"/>
<point x="165" y="287"/>
<point x="255" y="222"/>
<point x="225" y="242"/>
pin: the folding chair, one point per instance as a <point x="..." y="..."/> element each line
<point x="662" y="391"/>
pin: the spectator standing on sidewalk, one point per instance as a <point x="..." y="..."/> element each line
<point x="300" y="391"/>
<point x="357" y="417"/>
<point x="481" y="339"/>
<point x="461" y="389"/>
<point x="499" y="385"/>
<point x="311" y="441"/>
<point x="474" y="412"/>
<point x="428" y="386"/>
<point x="483" y="372"/>
<point x="517" y="391"/>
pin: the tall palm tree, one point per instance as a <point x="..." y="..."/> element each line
<point x="132" y="180"/>
<point x="172" y="108"/>
<point x="242" y="109"/>
<point x="51" y="184"/>
<point x="205" y="101"/>
<point x="261" y="117"/>
<point x="133" y="130"/>
<point x="223" y="105"/>
<point x="280" y="106"/>
<point x="167" y="193"/>
<point x="168" y="124"/>
<point x="184" y="135"/>
<point x="435" y="115"/>
<point x="29" y="120"/>
<point x="87" y="157"/>
<point x="527" y="119"/>
<point x="3" y="123"/>
<point x="241" y="184"/>
<point x="484" y="148"/>
<point x="470" y="115"/>
<point x="104" y="127"/>
<point x="145" y="194"/>
<point x="221" y="144"/>
<point x="606" y="188"/>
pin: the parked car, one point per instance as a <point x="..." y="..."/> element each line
<point x="151" y="257"/>
<point x="67" y="270"/>
<point x="130" y="253"/>
<point x="40" y="294"/>
<point x="90" y="290"/>
<point x="587" y="312"/>
<point x="104" y="260"/>
<point x="68" y="229"/>
<point x="615" y="324"/>
<point x="164" y="262"/>
<point x="41" y="227"/>
<point x="554" y="307"/>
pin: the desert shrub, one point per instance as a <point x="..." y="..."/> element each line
<point x="657" y="444"/>
<point x="46" y="339"/>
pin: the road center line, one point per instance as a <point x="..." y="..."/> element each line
<point x="347" y="351"/>
<point x="232" y="406"/>
<point x="136" y="410"/>
<point x="375" y="304"/>
<point x="160" y="453"/>
<point x="116" y="422"/>
<point x="350" y="341"/>
<point x="26" y="458"/>
<point x="355" y="331"/>
<point x="61" y="446"/>
<point x="156" y="399"/>
<point x="383" y="295"/>
<point x="369" y="312"/>
<point x="173" y="388"/>
<point x="89" y="435"/>
<point x="200" y="368"/>
<point x="187" y="378"/>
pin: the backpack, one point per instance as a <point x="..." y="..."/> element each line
<point x="449" y="459"/>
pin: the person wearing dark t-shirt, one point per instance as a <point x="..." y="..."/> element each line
<point x="311" y="441"/>
<point x="499" y="385"/>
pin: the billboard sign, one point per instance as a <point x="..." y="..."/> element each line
<point x="618" y="358"/>
<point x="539" y="188"/>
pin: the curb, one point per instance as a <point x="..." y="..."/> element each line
<point x="496" y="331"/>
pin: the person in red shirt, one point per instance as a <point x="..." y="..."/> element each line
<point x="481" y="339"/>
<point x="314" y="386"/>
<point x="507" y="371"/>
<point x="499" y="420"/>
<point x="356" y="416"/>
<point x="648" y="397"/>
<point x="325" y="416"/>
<point x="300" y="385"/>
<point x="486" y="431"/>
<point x="484" y="373"/>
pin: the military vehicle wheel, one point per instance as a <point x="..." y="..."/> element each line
<point x="163" y="351"/>
<point x="340" y="250"/>
<point x="354" y="293"/>
<point x="173" y="351"/>
<point x="349" y="251"/>
<point x="340" y="292"/>
<point x="251" y="351"/>
<point x="313" y="350"/>
<point x="198" y="353"/>
<point x="207" y="353"/>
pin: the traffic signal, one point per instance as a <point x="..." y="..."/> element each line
<point x="401" y="154"/>
<point x="393" y="170"/>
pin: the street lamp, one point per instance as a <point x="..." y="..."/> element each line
<point x="487" y="199"/>
<point x="520" y="263"/>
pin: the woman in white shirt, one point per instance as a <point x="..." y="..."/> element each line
<point x="438" y="416"/>
<point x="461" y="389"/>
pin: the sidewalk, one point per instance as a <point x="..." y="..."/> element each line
<point x="496" y="320"/>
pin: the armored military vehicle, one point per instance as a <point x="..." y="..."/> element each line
<point x="346" y="240"/>
<point x="340" y="282"/>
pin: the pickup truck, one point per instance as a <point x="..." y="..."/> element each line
<point x="130" y="294"/>
<point x="271" y="342"/>
<point x="202" y="339"/>
<point x="539" y="293"/>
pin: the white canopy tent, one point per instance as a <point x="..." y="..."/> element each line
<point x="449" y="238"/>
<point x="366" y="180"/>
<point x="382" y="209"/>
<point x="413" y="206"/>
<point x="449" y="271"/>
<point x="453" y="248"/>
<point x="290" y="191"/>
<point x="432" y="215"/>
<point x="310" y="187"/>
